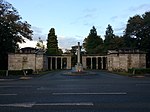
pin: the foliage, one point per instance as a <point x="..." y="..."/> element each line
<point x="40" y="44"/>
<point x="2" y="72"/>
<point x="12" y="31"/>
<point x="93" y="42"/>
<point x="137" y="33"/>
<point x="109" y="36"/>
<point x="16" y="72"/>
<point x="112" y="41"/>
<point x="52" y="43"/>
<point x="135" y="71"/>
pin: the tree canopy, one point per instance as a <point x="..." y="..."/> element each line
<point x="40" y="44"/>
<point x="111" y="40"/>
<point x="52" y="43"/>
<point x="93" y="42"/>
<point x="137" y="32"/>
<point x="12" y="31"/>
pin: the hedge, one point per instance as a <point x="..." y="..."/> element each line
<point x="139" y="70"/>
<point x="16" y="72"/>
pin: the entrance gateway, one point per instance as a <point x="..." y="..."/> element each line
<point x="35" y="59"/>
<point x="83" y="62"/>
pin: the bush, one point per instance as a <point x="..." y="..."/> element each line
<point x="139" y="70"/>
<point x="16" y="72"/>
<point x="28" y="71"/>
<point x="2" y="72"/>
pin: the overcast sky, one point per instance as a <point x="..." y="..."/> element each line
<point x="73" y="19"/>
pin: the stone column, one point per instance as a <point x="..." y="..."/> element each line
<point x="91" y="63"/>
<point x="102" y="63"/>
<point x="78" y="54"/>
<point x="56" y="63"/>
<point x="51" y="63"/>
<point x="84" y="62"/>
<point x="96" y="62"/>
<point x="61" y="62"/>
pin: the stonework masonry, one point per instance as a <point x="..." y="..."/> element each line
<point x="26" y="61"/>
<point x="123" y="60"/>
<point x="115" y="60"/>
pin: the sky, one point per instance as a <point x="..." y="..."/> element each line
<point x="73" y="19"/>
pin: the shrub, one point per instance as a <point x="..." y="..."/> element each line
<point x="16" y="72"/>
<point x="139" y="70"/>
<point x="28" y="71"/>
<point x="2" y="72"/>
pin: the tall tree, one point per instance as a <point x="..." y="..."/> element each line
<point x="137" y="33"/>
<point x="12" y="31"/>
<point x="133" y="30"/>
<point x="109" y="38"/>
<point x="92" y="42"/>
<point x="52" y="43"/>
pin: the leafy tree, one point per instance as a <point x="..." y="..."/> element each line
<point x="52" y="43"/>
<point x="92" y="42"/>
<point x="109" y="38"/>
<point x="133" y="30"/>
<point x="40" y="44"/>
<point x="137" y="33"/>
<point x="112" y="41"/>
<point x="12" y="31"/>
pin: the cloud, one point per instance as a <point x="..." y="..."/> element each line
<point x="37" y="33"/>
<point x="87" y="17"/>
<point x="143" y="7"/>
<point x="68" y="42"/>
<point x="114" y="18"/>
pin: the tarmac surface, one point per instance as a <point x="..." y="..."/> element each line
<point x="55" y="92"/>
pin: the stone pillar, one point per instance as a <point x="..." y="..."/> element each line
<point x="69" y="62"/>
<point x="91" y="63"/>
<point x="84" y="62"/>
<point x="102" y="63"/>
<point x="61" y="62"/>
<point x="96" y="62"/>
<point x="56" y="63"/>
<point x="51" y="63"/>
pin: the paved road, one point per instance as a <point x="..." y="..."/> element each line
<point x="54" y="92"/>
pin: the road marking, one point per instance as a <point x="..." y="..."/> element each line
<point x="66" y="104"/>
<point x="16" y="86"/>
<point x="8" y="94"/>
<point x="113" y="93"/>
<point x="29" y="105"/>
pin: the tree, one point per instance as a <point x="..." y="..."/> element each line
<point x="137" y="33"/>
<point x="109" y="38"/>
<point x="12" y="31"/>
<point x="92" y="41"/>
<point x="40" y="44"/>
<point x="133" y="30"/>
<point x="52" y="43"/>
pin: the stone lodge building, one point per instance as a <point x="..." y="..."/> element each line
<point x="31" y="58"/>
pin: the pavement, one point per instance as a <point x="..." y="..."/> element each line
<point x="55" y="92"/>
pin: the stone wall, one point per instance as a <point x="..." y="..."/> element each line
<point x="122" y="60"/>
<point x="115" y="60"/>
<point x="25" y="61"/>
